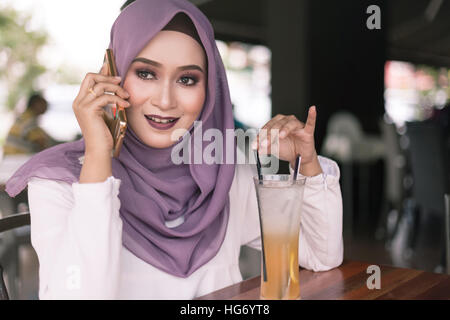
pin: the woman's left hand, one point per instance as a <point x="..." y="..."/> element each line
<point x="293" y="138"/>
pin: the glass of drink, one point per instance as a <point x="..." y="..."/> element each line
<point x="280" y="199"/>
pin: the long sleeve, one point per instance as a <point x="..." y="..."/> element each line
<point x="76" y="232"/>
<point x="321" y="245"/>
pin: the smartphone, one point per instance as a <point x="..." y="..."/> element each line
<point x="115" y="117"/>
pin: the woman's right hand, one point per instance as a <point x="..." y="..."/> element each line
<point x="88" y="109"/>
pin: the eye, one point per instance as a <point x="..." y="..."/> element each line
<point x="188" y="80"/>
<point x="145" y="74"/>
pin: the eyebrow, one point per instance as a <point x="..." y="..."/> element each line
<point x="157" y="64"/>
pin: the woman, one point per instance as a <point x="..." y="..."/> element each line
<point x="140" y="226"/>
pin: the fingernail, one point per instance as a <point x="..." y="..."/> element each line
<point x="118" y="78"/>
<point x="282" y="134"/>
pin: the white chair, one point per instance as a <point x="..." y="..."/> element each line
<point x="347" y="143"/>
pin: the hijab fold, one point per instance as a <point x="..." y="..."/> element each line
<point x="153" y="190"/>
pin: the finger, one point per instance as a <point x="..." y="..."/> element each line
<point x="269" y="123"/>
<point x="263" y="133"/>
<point x="290" y="127"/>
<point x="280" y="123"/>
<point x="274" y="130"/>
<point x="311" y="120"/>
<point x="92" y="78"/>
<point x="103" y="87"/>
<point x="256" y="143"/>
<point x="105" y="99"/>
<point x="268" y="141"/>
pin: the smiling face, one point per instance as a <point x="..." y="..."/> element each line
<point x="167" y="79"/>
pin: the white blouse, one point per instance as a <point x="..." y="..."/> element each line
<point x="76" y="232"/>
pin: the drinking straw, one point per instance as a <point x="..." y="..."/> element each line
<point x="297" y="166"/>
<point x="260" y="179"/>
<point x="258" y="166"/>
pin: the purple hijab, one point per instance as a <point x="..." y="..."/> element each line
<point x="153" y="189"/>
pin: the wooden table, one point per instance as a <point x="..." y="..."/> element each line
<point x="348" y="282"/>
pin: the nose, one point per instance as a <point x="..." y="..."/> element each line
<point x="164" y="97"/>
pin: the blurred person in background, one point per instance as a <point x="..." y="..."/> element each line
<point x="25" y="136"/>
<point x="441" y="116"/>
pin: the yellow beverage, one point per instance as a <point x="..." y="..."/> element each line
<point x="281" y="254"/>
<point x="279" y="204"/>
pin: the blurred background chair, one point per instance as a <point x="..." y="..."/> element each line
<point x="11" y="242"/>
<point x="13" y="225"/>
<point x="395" y="182"/>
<point x="8" y="165"/>
<point x="424" y="210"/>
<point x="347" y="143"/>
